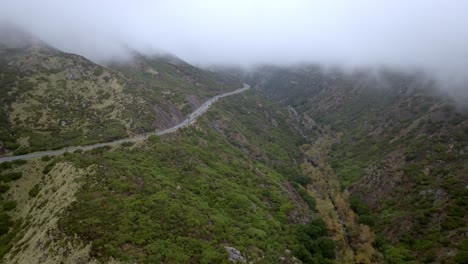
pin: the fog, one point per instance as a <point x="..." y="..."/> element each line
<point x="400" y="33"/>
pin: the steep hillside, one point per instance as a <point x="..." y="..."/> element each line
<point x="223" y="189"/>
<point x="50" y="99"/>
<point x="173" y="79"/>
<point x="401" y="153"/>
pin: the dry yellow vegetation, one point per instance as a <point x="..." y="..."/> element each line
<point x="41" y="241"/>
<point x="353" y="240"/>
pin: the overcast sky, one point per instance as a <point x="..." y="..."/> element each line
<point x="428" y="33"/>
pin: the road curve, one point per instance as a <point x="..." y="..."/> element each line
<point x="192" y="117"/>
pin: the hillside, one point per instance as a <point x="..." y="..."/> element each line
<point x="198" y="195"/>
<point x="51" y="99"/>
<point x="400" y="152"/>
<point x="226" y="188"/>
<point x="314" y="165"/>
<point x="172" y="78"/>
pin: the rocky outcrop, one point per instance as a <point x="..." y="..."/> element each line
<point x="234" y="255"/>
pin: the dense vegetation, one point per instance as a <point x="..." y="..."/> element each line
<point x="380" y="157"/>
<point x="401" y="153"/>
<point x="232" y="180"/>
<point x="183" y="198"/>
<point x="179" y="201"/>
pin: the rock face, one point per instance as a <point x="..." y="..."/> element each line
<point x="234" y="255"/>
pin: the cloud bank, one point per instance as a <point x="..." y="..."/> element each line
<point x="432" y="34"/>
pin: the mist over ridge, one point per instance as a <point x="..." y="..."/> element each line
<point x="430" y="35"/>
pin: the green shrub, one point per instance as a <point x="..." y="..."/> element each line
<point x="12" y="176"/>
<point x="6" y="165"/>
<point x="314" y="244"/>
<point x="358" y="206"/>
<point x="397" y="255"/>
<point x="127" y="144"/>
<point x="311" y="202"/>
<point x="378" y="242"/>
<point x="5" y="223"/>
<point x="325" y="247"/>
<point x="22" y="151"/>
<point x="452" y="222"/>
<point x="11" y="145"/>
<point x="11" y="164"/>
<point x="9" y="205"/>
<point x="100" y="150"/>
<point x="4" y="188"/>
<point x="48" y="167"/>
<point x="302" y="180"/>
<point x="34" y="190"/>
<point x="19" y="162"/>
<point x="366" y="220"/>
<point x="315" y="229"/>
<point x="154" y="139"/>
<point x="461" y="257"/>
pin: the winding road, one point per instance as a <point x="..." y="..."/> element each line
<point x="192" y="117"/>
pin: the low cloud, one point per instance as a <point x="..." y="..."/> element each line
<point x="431" y="34"/>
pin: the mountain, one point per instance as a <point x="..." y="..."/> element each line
<point x="51" y="99"/>
<point x="399" y="150"/>
<point x="313" y="165"/>
<point x="222" y="189"/>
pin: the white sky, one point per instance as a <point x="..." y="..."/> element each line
<point x="429" y="33"/>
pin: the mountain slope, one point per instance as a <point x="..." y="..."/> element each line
<point x="171" y="78"/>
<point x="401" y="153"/>
<point x="226" y="188"/>
<point x="193" y="196"/>
<point x="51" y="99"/>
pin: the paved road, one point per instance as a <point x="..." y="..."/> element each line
<point x="202" y="109"/>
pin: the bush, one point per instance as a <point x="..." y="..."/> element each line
<point x="48" y="167"/>
<point x="9" y="205"/>
<point x="19" y="162"/>
<point x="154" y="139"/>
<point x="127" y="144"/>
<point x="358" y="206"/>
<point x="22" y="151"/>
<point x="11" y="145"/>
<point x="315" y="246"/>
<point x="325" y="247"/>
<point x="461" y="257"/>
<point x="5" y="223"/>
<point x="11" y="164"/>
<point x="100" y="150"/>
<point x="311" y="202"/>
<point x="366" y="220"/>
<point x="34" y="191"/>
<point x="315" y="229"/>
<point x="4" y="188"/>
<point x="397" y="255"/>
<point x="452" y="222"/>
<point x="302" y="180"/>
<point x="12" y="176"/>
<point x="378" y="242"/>
<point x="6" y="165"/>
